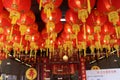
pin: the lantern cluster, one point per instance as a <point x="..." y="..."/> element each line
<point x="18" y="29"/>
<point x="89" y="24"/>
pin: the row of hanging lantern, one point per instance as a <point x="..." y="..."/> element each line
<point x="85" y="26"/>
<point x="50" y="15"/>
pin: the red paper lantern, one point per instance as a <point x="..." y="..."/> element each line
<point x="27" y="18"/>
<point x="18" y="5"/>
<point x="59" y="41"/>
<point x="56" y="3"/>
<point x="97" y="37"/>
<point x="8" y="45"/>
<point x="58" y="27"/>
<point x="40" y="42"/>
<point x="44" y="33"/>
<point x="116" y="3"/>
<point x="96" y="18"/>
<point x="81" y="36"/>
<point x="67" y="28"/>
<point x="31" y="29"/>
<point x="1" y="5"/>
<point x="2" y="38"/>
<point x="16" y="38"/>
<point x="19" y="42"/>
<point x="105" y="40"/>
<point x="36" y="37"/>
<point x="16" y="30"/>
<point x="55" y="17"/>
<point x="108" y="5"/>
<point x="89" y="29"/>
<point x="107" y="28"/>
<point x="80" y="4"/>
<point x="65" y="36"/>
<point x="4" y="19"/>
<point x="71" y="17"/>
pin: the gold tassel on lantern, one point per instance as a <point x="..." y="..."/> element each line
<point x="14" y="16"/>
<point x="50" y="26"/>
<point x="97" y="29"/>
<point x="83" y="15"/>
<point x="89" y="6"/>
<point x="1" y="30"/>
<point x="26" y="49"/>
<point x="61" y="50"/>
<point x="92" y="47"/>
<point x="9" y="38"/>
<point x="117" y="29"/>
<point x="23" y="29"/>
<point x="33" y="46"/>
<point x="113" y="17"/>
<point x="117" y="49"/>
<point x="48" y="9"/>
<point x="54" y="36"/>
<point x="76" y="29"/>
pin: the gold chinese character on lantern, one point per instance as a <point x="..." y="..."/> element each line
<point x="31" y="74"/>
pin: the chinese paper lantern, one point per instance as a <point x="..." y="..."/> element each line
<point x="96" y="18"/>
<point x="8" y="45"/>
<point x="65" y="36"/>
<point x="56" y="3"/>
<point x="44" y="33"/>
<point x="31" y="30"/>
<point x="59" y="41"/>
<point x="16" y="38"/>
<point x="56" y="14"/>
<point x="35" y="37"/>
<point x="81" y="4"/>
<point x="27" y="18"/>
<point x="40" y="42"/>
<point x="1" y="5"/>
<point x="89" y="29"/>
<point x="58" y="27"/>
<point x="105" y="39"/>
<point x="81" y="36"/>
<point x="107" y="5"/>
<point x="17" y="5"/>
<point x="97" y="37"/>
<point x="71" y="17"/>
<point x="90" y="40"/>
<point x="107" y="28"/>
<point x="16" y="30"/>
<point x="4" y="19"/>
<point x="82" y="7"/>
<point x="67" y="28"/>
<point x="110" y="8"/>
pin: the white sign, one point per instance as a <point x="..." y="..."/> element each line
<point x="103" y="74"/>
